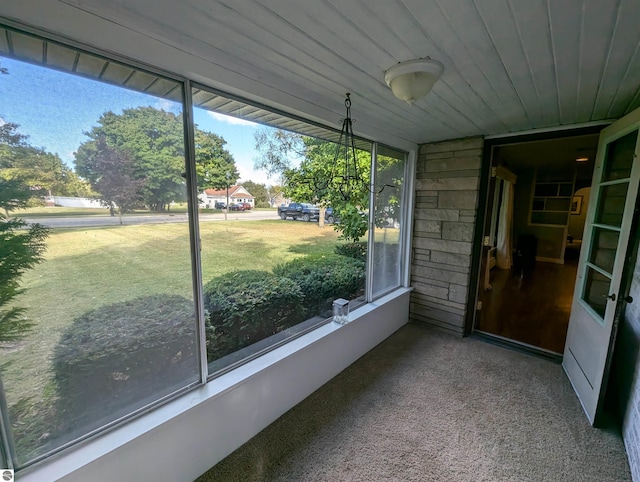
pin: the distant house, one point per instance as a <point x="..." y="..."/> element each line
<point x="237" y="194"/>
<point x="279" y="200"/>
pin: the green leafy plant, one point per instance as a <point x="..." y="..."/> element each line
<point x="353" y="223"/>
<point x="323" y="278"/>
<point x="22" y="246"/>
<point x="248" y="306"/>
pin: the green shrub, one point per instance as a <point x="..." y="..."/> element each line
<point x="115" y="357"/>
<point x="356" y="250"/>
<point x="262" y="204"/>
<point x="323" y="278"/>
<point x="248" y="306"/>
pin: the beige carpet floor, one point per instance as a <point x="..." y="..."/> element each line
<point x="427" y="406"/>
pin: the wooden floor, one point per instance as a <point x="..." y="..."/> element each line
<point x="533" y="309"/>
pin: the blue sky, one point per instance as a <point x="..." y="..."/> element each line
<point x="54" y="109"/>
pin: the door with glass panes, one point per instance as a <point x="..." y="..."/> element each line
<point x="597" y="298"/>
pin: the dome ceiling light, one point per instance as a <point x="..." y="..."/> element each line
<point x="413" y="79"/>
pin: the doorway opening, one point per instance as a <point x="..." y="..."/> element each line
<point x="536" y="207"/>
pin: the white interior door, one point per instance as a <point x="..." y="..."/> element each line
<point x="596" y="300"/>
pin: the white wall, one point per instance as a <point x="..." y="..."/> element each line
<point x="184" y="438"/>
<point x="76" y="202"/>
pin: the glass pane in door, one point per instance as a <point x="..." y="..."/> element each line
<point x="619" y="158"/>
<point x="603" y="248"/>
<point x="596" y="290"/>
<point x="611" y="204"/>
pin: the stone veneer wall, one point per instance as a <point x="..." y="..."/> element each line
<point x="447" y="182"/>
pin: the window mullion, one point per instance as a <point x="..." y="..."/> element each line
<point x="407" y="228"/>
<point x="194" y="229"/>
<point x="372" y="213"/>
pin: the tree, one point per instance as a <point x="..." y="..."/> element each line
<point x="116" y="183"/>
<point x="154" y="139"/>
<point x="275" y="146"/>
<point x="279" y="148"/>
<point x="14" y="194"/>
<point x="44" y="172"/>
<point x="390" y="174"/>
<point x="21" y="247"/>
<point x="258" y="191"/>
<point x="213" y="161"/>
<point x="317" y="178"/>
<point x="10" y="136"/>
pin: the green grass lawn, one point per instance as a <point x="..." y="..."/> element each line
<point x="88" y="268"/>
<point x="57" y="211"/>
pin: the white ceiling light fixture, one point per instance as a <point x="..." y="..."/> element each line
<point x="413" y="79"/>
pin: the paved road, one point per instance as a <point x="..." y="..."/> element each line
<point x="97" y="220"/>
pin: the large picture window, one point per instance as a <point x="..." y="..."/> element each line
<point x="156" y="233"/>
<point x="93" y="152"/>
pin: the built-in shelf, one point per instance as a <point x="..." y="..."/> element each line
<point x="551" y="202"/>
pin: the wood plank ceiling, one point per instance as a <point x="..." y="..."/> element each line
<point x="509" y="65"/>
